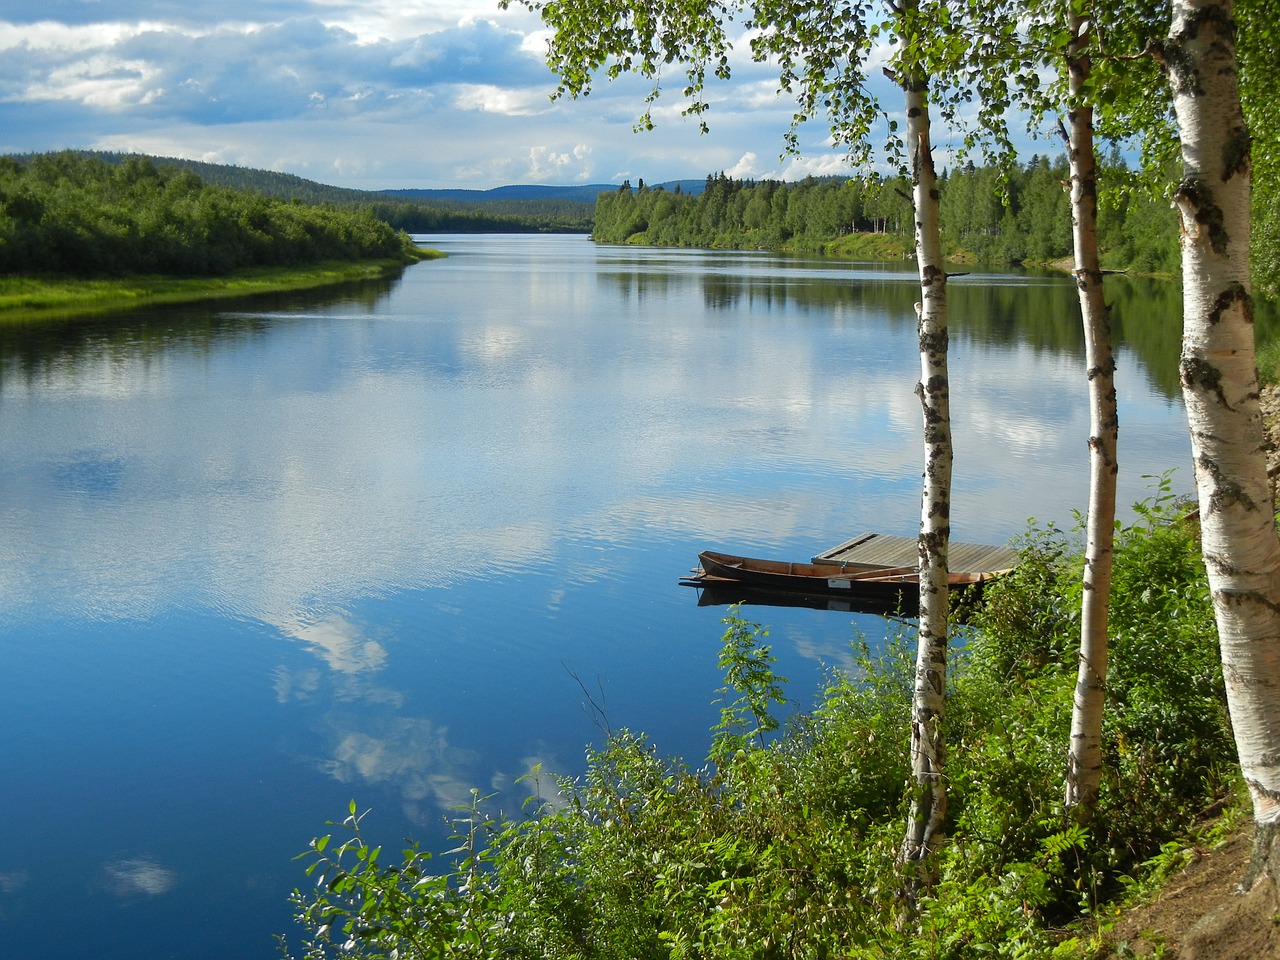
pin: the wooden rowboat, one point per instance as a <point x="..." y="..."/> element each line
<point x="885" y="587"/>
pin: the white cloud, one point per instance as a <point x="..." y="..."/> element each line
<point x="413" y="755"/>
<point x="545" y="163"/>
<point x="99" y="81"/>
<point x="48" y="35"/>
<point x="825" y="165"/>
<point x="747" y="167"/>
<point x="487" y="98"/>
<point x="338" y="641"/>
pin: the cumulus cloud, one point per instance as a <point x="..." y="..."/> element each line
<point x="823" y="165"/>
<point x="488" y="98"/>
<point x="337" y="641"/>
<point x="368" y="95"/>
<point x="747" y="167"/>
<point x="546" y="163"/>
<point x="273" y="71"/>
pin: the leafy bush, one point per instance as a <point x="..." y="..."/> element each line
<point x="785" y="843"/>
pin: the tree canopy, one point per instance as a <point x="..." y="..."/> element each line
<point x="74" y="214"/>
<point x="1031" y="222"/>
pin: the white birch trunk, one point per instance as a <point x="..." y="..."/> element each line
<point x="1084" y="756"/>
<point x="928" y="809"/>
<point x="1220" y="388"/>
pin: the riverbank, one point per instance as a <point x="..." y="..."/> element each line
<point x="33" y="299"/>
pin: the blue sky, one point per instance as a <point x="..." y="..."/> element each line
<point x="369" y="94"/>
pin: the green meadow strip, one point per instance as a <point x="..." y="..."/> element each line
<point x="28" y="299"/>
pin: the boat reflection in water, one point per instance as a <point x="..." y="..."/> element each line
<point x="729" y="594"/>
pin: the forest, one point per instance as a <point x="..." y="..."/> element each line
<point x="988" y="215"/>
<point x="472" y="211"/>
<point x="77" y="215"/>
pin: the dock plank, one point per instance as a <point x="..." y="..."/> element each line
<point x="891" y="551"/>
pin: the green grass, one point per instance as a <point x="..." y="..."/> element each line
<point x="871" y="246"/>
<point x="28" y="299"/>
<point x="1269" y="362"/>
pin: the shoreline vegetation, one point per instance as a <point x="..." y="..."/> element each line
<point x="1019" y="217"/>
<point x="37" y="298"/>
<point x="82" y="233"/>
<point x="79" y="235"/>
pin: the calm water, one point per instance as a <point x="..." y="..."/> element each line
<point x="260" y="560"/>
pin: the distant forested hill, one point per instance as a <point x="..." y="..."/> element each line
<point x="77" y="214"/>
<point x="505" y="210"/>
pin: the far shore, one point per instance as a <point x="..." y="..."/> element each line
<point x="33" y="299"/>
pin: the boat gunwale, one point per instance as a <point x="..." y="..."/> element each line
<point x="730" y="568"/>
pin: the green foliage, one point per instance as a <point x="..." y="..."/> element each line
<point x="74" y="214"/>
<point x="748" y="671"/>
<point x="787" y="847"/>
<point x="990" y="214"/>
<point x="1259" y="49"/>
<point x="402" y="909"/>
<point x="1269" y="362"/>
<point x="1166" y="737"/>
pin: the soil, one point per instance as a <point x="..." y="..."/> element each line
<point x="1201" y="912"/>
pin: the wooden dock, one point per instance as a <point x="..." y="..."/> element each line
<point x="879" y="548"/>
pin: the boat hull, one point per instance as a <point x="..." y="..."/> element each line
<point x="865" y="587"/>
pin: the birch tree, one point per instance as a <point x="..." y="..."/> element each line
<point x="1221" y="394"/>
<point x="926" y="817"/>
<point x="822" y="51"/>
<point x="1084" y="753"/>
<point x="1064" y="35"/>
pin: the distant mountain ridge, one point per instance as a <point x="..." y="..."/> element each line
<point x="582" y="193"/>
<point x="292" y="187"/>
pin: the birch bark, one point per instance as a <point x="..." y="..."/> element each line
<point x="928" y="809"/>
<point x="1220" y="389"/>
<point x="1084" y="755"/>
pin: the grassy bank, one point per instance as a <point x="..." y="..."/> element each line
<point x="875" y="247"/>
<point x="28" y="299"/>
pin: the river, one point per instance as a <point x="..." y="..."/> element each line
<point x="262" y="559"/>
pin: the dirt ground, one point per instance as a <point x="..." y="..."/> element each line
<point x="1201" y="914"/>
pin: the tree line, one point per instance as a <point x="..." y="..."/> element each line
<point x="504" y="216"/>
<point x="69" y="213"/>
<point x="412" y="214"/>
<point x="988" y="213"/>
